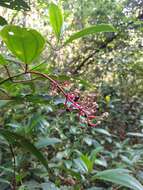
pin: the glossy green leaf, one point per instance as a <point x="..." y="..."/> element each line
<point x="135" y="134"/>
<point x="56" y="19"/>
<point x="101" y="162"/>
<point x="91" y="30"/>
<point x="26" y="44"/>
<point x="15" y="4"/>
<point x="2" y="21"/>
<point x="20" y="141"/>
<point x="80" y="165"/>
<point x="120" y="177"/>
<point x="43" y="142"/>
<point x="102" y="131"/>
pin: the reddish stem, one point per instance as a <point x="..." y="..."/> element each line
<point x="50" y="79"/>
<point x="82" y="111"/>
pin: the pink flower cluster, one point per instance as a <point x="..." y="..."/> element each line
<point x="84" y="114"/>
<point x="86" y="108"/>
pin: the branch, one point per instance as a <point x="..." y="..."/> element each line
<point x="50" y="79"/>
<point x="11" y="77"/>
<point x="8" y="72"/>
<point x="69" y="97"/>
<point x="103" y="46"/>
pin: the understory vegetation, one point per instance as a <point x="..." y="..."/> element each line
<point x="71" y="95"/>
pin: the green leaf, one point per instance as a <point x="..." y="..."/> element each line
<point x="4" y="181"/>
<point x="120" y="177"/>
<point x="74" y="174"/>
<point x="102" y="131"/>
<point x="15" y="4"/>
<point x="20" y="141"/>
<point x="101" y="162"/>
<point x="2" y="21"/>
<point x="80" y="165"/>
<point x="6" y="170"/>
<point x="88" y="162"/>
<point x="91" y="30"/>
<point x="43" y="142"/>
<point x="26" y="44"/>
<point x="3" y="103"/>
<point x="2" y="60"/>
<point x="50" y="186"/>
<point x="95" y="152"/>
<point x="56" y="19"/>
<point x="135" y="134"/>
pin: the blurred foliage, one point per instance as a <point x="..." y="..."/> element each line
<point x="106" y="68"/>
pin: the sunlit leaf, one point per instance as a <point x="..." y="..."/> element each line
<point x="56" y="19"/>
<point x="88" y="162"/>
<point x="26" y="44"/>
<point x="91" y="30"/>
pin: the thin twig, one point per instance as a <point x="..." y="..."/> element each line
<point x="4" y="92"/>
<point x="25" y="81"/>
<point x="12" y="77"/>
<point x="26" y="68"/>
<point x="8" y="72"/>
<point x="13" y="17"/>
<point x="50" y="79"/>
